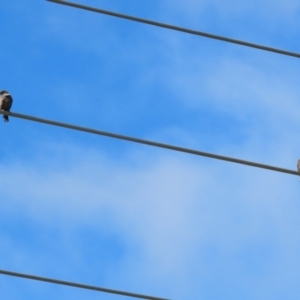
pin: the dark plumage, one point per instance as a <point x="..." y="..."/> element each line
<point x="5" y="103"/>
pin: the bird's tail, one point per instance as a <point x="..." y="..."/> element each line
<point x="5" y="118"/>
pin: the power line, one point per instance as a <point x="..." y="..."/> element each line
<point x="173" y="27"/>
<point x="150" y="143"/>
<point x="79" y="285"/>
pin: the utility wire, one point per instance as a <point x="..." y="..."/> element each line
<point x="150" y="143"/>
<point x="173" y="27"/>
<point x="79" y="285"/>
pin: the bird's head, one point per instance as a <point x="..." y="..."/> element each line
<point x="3" y="92"/>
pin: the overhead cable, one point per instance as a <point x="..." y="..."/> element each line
<point x="150" y="143"/>
<point x="173" y="27"/>
<point x="79" y="285"/>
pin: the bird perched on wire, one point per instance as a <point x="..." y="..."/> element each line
<point x="5" y="103"/>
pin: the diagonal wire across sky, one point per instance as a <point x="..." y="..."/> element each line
<point x="79" y="285"/>
<point x="177" y="28"/>
<point x="150" y="143"/>
<point x="142" y="141"/>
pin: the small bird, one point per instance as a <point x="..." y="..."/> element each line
<point x="5" y="103"/>
<point x="298" y="165"/>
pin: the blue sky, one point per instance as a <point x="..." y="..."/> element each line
<point x="104" y="212"/>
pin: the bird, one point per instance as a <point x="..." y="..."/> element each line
<point x="5" y="103"/>
<point x="298" y="165"/>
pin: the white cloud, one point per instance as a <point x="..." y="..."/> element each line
<point x="188" y="222"/>
<point x="271" y="9"/>
<point x="171" y="210"/>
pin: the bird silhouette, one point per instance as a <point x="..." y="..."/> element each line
<point x="5" y="103"/>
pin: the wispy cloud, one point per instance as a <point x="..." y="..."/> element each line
<point x="167" y="210"/>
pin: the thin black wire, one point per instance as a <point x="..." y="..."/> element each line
<point x="79" y="285"/>
<point x="173" y="27"/>
<point x="150" y="143"/>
